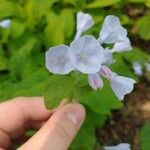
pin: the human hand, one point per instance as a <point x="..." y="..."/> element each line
<point x="57" y="127"/>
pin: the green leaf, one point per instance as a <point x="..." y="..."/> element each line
<point x="135" y="55"/>
<point x="145" y="137"/>
<point x="54" y="31"/>
<point x="17" y="28"/>
<point x="36" y="9"/>
<point x="9" y="9"/>
<point x="58" y="88"/>
<point x="67" y="18"/>
<point x="143" y="25"/>
<point x="3" y="61"/>
<point x="102" y="3"/>
<point x="78" y="4"/>
<point x="137" y="1"/>
<point x="147" y="2"/>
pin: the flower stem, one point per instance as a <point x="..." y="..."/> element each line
<point x="71" y="97"/>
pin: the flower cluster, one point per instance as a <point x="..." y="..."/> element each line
<point x="86" y="54"/>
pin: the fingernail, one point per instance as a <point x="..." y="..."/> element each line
<point x="76" y="114"/>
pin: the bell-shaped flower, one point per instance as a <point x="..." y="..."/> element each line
<point x="107" y="59"/>
<point x="121" y="146"/>
<point x="95" y="81"/>
<point x="86" y="54"/>
<point x="137" y="68"/>
<point x="84" y="22"/>
<point x="122" y="46"/>
<point x="112" y="31"/>
<point x="58" y="60"/>
<point x="121" y="85"/>
<point x="147" y="65"/>
<point x="5" y="23"/>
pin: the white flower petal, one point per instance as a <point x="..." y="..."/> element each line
<point x="58" y="61"/>
<point x="112" y="31"/>
<point x="95" y="81"/>
<point x="5" y="23"/>
<point x="137" y="67"/>
<point x="121" y="46"/>
<point x="121" y="85"/>
<point x="107" y="59"/>
<point x="147" y="65"/>
<point x="84" y="22"/>
<point x="122" y="146"/>
<point x="86" y="54"/>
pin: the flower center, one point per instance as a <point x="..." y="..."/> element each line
<point x="60" y="60"/>
<point x="83" y="56"/>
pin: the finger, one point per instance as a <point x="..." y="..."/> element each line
<point x="17" y="115"/>
<point x="59" y="130"/>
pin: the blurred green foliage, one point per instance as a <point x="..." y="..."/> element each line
<point x="39" y="24"/>
<point x="145" y="137"/>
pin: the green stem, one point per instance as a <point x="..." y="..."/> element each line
<point x="74" y="88"/>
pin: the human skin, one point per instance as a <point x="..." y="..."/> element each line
<point x="56" y="128"/>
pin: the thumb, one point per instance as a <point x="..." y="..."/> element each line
<point x="60" y="129"/>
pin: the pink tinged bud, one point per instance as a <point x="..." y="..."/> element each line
<point x="105" y="72"/>
<point x="95" y="81"/>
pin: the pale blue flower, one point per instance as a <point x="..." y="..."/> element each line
<point x="5" y="23"/>
<point x="112" y="31"/>
<point x="122" y="46"/>
<point x="95" y="81"/>
<point x="86" y="54"/>
<point x="58" y="61"/>
<point x="84" y="22"/>
<point x="120" y="85"/>
<point x="121" y="146"/>
<point x="137" y="68"/>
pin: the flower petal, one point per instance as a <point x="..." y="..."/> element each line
<point x="95" y="81"/>
<point x="122" y="146"/>
<point x="107" y="59"/>
<point x="112" y="31"/>
<point x="58" y="61"/>
<point x="121" y="85"/>
<point x="84" y="22"/>
<point x="86" y="54"/>
<point x="5" y="23"/>
<point x="121" y="46"/>
<point x="137" y="67"/>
